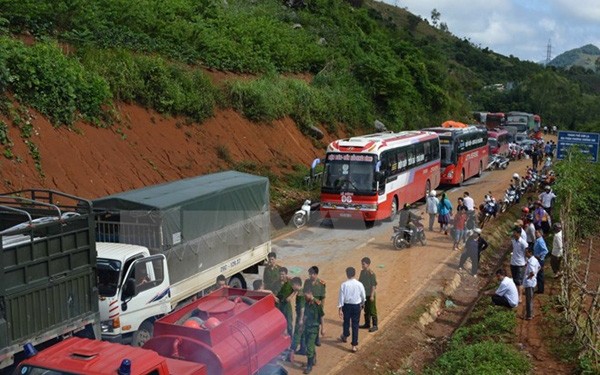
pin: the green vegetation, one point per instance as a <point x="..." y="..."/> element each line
<point x="367" y="60"/>
<point x="484" y="345"/>
<point x="578" y="187"/>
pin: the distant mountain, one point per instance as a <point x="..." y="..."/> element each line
<point x="586" y="56"/>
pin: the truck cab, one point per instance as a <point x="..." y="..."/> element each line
<point x="76" y="356"/>
<point x="132" y="285"/>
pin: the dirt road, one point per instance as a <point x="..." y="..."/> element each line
<point x="403" y="276"/>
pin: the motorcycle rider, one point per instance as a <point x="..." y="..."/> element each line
<point x="407" y="218"/>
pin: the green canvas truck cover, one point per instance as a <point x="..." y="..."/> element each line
<point x="196" y="222"/>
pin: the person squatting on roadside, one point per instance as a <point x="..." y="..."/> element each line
<point x="369" y="280"/>
<point x="530" y="282"/>
<point x="557" y="250"/>
<point x="506" y="294"/>
<point x="517" y="259"/>
<point x="351" y="299"/>
<point x="432" y="208"/>
<point x="444" y="213"/>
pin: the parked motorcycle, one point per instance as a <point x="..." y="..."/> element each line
<point x="302" y="216"/>
<point x="498" y="162"/>
<point x="511" y="196"/>
<point x="404" y="237"/>
<point x="487" y="210"/>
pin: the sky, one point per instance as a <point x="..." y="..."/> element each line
<point x="519" y="28"/>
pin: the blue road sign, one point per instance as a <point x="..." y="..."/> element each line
<point x="588" y="143"/>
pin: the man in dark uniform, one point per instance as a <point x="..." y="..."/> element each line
<point x="285" y="296"/>
<point x="271" y="274"/>
<point x="299" y="324"/>
<point x="369" y="281"/>
<point x="313" y="319"/>
<point x="318" y="288"/>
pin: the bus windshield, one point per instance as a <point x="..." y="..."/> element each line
<point x="349" y="173"/>
<point x="447" y="157"/>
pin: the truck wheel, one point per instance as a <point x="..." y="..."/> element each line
<point x="143" y="334"/>
<point x="237" y="281"/>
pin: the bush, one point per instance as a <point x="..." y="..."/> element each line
<point x="482" y="358"/>
<point x="153" y="82"/>
<point x="57" y="86"/>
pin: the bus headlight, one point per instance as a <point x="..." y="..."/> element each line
<point x="451" y="174"/>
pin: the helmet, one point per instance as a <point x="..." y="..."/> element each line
<point x="529" y="217"/>
<point x="525" y="210"/>
<point x="432" y="193"/>
<point x="407" y="206"/>
<point x="547" y="188"/>
<point x="516" y="175"/>
<point x="477" y="230"/>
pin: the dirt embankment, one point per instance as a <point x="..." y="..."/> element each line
<point x="147" y="148"/>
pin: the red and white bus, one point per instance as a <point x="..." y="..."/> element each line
<point x="498" y="140"/>
<point x="464" y="152"/>
<point x="371" y="176"/>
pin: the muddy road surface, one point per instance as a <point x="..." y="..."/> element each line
<point x="404" y="276"/>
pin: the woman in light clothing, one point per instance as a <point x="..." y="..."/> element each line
<point x="432" y="208"/>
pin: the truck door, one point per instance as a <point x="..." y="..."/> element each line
<point x="146" y="291"/>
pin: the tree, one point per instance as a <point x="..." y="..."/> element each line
<point x="435" y="17"/>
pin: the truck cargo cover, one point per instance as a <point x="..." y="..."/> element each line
<point x="189" y="219"/>
<point x="215" y="200"/>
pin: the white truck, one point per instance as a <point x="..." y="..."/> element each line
<point x="164" y="245"/>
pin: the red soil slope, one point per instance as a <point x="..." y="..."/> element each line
<point x="147" y="148"/>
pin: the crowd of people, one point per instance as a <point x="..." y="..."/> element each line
<point x="302" y="305"/>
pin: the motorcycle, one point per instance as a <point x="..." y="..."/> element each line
<point x="302" y="216"/>
<point x="404" y="237"/>
<point x="498" y="162"/>
<point x="511" y="196"/>
<point x="487" y="210"/>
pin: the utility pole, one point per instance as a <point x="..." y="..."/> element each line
<point x="548" y="53"/>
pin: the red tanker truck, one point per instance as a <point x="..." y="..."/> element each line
<point x="229" y="331"/>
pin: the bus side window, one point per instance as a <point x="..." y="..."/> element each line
<point x="402" y="160"/>
<point x="427" y="151"/>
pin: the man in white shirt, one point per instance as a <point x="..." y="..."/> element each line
<point x="517" y="258"/>
<point x="351" y="299"/>
<point x="470" y="205"/>
<point x="530" y="282"/>
<point x="557" y="250"/>
<point x="547" y="198"/>
<point x="507" y="294"/>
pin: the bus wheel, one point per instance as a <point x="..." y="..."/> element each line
<point x="427" y="188"/>
<point x="480" y="172"/>
<point x="394" y="209"/>
<point x="462" y="178"/>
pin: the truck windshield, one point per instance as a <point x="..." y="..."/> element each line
<point x="349" y="172"/>
<point x="34" y="370"/>
<point x="109" y="272"/>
